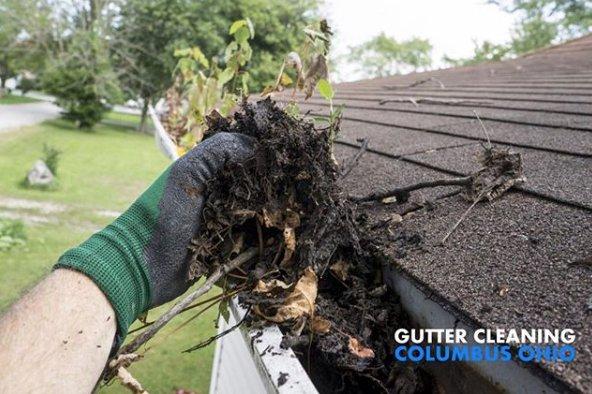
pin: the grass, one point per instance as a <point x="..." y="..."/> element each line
<point x="104" y="169"/>
<point x="125" y="120"/>
<point x="12" y="99"/>
<point x="101" y="169"/>
<point x="122" y="117"/>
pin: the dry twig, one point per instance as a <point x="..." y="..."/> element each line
<point x="402" y="193"/>
<point x="463" y="216"/>
<point x="431" y="100"/>
<point x="418" y="83"/>
<point x="489" y="146"/>
<point x="353" y="162"/>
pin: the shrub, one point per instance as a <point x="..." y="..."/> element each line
<point x="51" y="157"/>
<point x="12" y="233"/>
<point x="27" y="84"/>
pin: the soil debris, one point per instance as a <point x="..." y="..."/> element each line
<point x="282" y="379"/>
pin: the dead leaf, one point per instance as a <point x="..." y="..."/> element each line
<point x="292" y="218"/>
<point x="238" y="244"/>
<point x="292" y="59"/>
<point x="340" y="269"/>
<point x="389" y="200"/>
<point x="124" y="360"/>
<point x="129" y="381"/>
<point x="396" y="218"/>
<point x="267" y="287"/>
<point x="290" y="245"/>
<point x="503" y="290"/>
<point x="320" y="325"/>
<point x="119" y="364"/>
<point x="359" y="350"/>
<point x="316" y="71"/>
<point x="501" y="170"/>
<point x="300" y="302"/>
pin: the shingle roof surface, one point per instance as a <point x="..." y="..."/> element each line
<point x="539" y="105"/>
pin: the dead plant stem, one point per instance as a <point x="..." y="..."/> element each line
<point x="400" y="191"/>
<point x="187" y="301"/>
<point x="351" y="164"/>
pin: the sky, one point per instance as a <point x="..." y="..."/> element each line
<point x="450" y="25"/>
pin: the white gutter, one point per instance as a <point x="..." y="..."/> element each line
<point x="427" y="311"/>
<point x="163" y="141"/>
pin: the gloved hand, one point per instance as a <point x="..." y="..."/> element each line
<point x="140" y="260"/>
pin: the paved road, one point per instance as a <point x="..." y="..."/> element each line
<point x="18" y="115"/>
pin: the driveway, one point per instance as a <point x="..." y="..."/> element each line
<point x="17" y="115"/>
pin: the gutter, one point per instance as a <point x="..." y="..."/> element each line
<point x="429" y="310"/>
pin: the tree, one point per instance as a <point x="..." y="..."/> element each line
<point x="150" y="30"/>
<point x="571" y="17"/>
<point x="542" y="23"/>
<point x="8" y="42"/>
<point x="383" y="55"/>
<point x="483" y="52"/>
<point x="143" y="47"/>
<point x="533" y="33"/>
<point x="82" y="80"/>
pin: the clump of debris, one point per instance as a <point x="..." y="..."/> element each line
<point x="314" y="274"/>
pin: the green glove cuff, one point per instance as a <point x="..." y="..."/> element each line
<point x="114" y="257"/>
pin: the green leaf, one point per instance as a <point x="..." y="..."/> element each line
<point x="285" y="80"/>
<point x="325" y="89"/>
<point x="251" y="27"/>
<point x="225" y="76"/>
<point x="224" y="311"/>
<point x="182" y="52"/>
<point x="242" y="34"/>
<point x="230" y="49"/>
<point x="245" y="83"/>
<point x="246" y="50"/>
<point x="228" y="102"/>
<point x="292" y="109"/>
<point x="198" y="55"/>
<point x="237" y="25"/>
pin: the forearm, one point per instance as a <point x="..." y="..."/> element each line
<point x="57" y="338"/>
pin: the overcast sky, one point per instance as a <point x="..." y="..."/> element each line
<point x="450" y="25"/>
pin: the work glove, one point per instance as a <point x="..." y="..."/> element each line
<point x="140" y="260"/>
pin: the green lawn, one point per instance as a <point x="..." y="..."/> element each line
<point x="102" y="170"/>
<point x="12" y="99"/>
<point x="124" y="119"/>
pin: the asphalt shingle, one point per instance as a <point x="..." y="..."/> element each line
<point x="541" y="106"/>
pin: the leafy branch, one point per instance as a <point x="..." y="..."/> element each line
<point x="207" y="87"/>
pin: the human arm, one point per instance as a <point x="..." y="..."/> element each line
<point x="57" y="337"/>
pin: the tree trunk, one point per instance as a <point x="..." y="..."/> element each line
<point x="143" y="127"/>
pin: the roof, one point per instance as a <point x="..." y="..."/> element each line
<point x="530" y="240"/>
